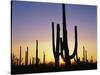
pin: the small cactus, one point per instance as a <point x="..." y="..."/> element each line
<point x="32" y="60"/>
<point x="91" y="59"/>
<point x="20" y="57"/>
<point x="37" y="61"/>
<point x="43" y="57"/>
<point x="26" y="57"/>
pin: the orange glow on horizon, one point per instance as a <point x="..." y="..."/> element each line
<point x="47" y="47"/>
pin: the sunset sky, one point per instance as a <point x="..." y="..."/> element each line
<point x="31" y="21"/>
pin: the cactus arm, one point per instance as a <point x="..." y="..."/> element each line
<point x="76" y="44"/>
<point x="53" y="40"/>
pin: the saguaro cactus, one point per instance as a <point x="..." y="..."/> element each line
<point x="37" y="52"/>
<point x="64" y="42"/>
<point x="26" y="57"/>
<point x="91" y="59"/>
<point x="56" y="50"/>
<point x="85" y="55"/>
<point x="32" y="60"/>
<point x="20" y="57"/>
<point x="43" y="57"/>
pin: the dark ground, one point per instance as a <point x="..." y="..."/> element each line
<point x="42" y="68"/>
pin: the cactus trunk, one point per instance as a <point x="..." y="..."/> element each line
<point x="26" y="57"/>
<point x="43" y="57"/>
<point x="32" y="60"/>
<point x="65" y="38"/>
<point x="37" y="52"/>
<point x="85" y="55"/>
<point x="64" y="42"/>
<point x="20" y="57"/>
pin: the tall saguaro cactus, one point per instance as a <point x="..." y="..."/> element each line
<point x="37" y="52"/>
<point x="56" y="49"/>
<point x="64" y="42"/>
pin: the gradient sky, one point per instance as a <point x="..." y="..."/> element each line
<point x="31" y="21"/>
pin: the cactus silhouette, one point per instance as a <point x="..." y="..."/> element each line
<point x="64" y="42"/>
<point x="56" y="49"/>
<point x="26" y="57"/>
<point x="91" y="59"/>
<point x="43" y="57"/>
<point x="32" y="60"/>
<point x="20" y="57"/>
<point x="14" y="59"/>
<point x="37" y="61"/>
<point x="85" y="55"/>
